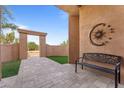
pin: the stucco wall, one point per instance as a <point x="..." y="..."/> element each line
<point x="9" y="52"/>
<point x="53" y="50"/>
<point x="113" y="15"/>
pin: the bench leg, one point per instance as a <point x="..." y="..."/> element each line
<point x="119" y="77"/>
<point x="116" y="79"/>
<point x="76" y="67"/>
<point x="82" y="67"/>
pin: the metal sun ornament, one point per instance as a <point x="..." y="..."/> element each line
<point x="101" y="34"/>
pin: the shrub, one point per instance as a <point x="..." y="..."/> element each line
<point x="32" y="46"/>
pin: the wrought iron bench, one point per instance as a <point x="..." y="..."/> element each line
<point x="88" y="60"/>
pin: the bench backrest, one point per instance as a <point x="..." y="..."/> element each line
<point x="104" y="58"/>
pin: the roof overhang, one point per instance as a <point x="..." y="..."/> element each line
<point x="71" y="9"/>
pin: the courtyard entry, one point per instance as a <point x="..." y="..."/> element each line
<point x="23" y="42"/>
<point x="33" y="46"/>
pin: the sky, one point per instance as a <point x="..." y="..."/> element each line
<point x="43" y="18"/>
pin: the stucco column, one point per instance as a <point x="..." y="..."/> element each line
<point x="23" y="46"/>
<point x="42" y="49"/>
<point x="73" y="38"/>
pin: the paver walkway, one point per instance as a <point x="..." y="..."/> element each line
<point x="44" y="73"/>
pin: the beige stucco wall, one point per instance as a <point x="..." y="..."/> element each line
<point x="113" y="15"/>
<point x="9" y="52"/>
<point x="56" y="50"/>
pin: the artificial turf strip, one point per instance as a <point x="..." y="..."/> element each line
<point x="59" y="59"/>
<point x="10" y="68"/>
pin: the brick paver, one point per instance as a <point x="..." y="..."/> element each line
<point x="44" y="73"/>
